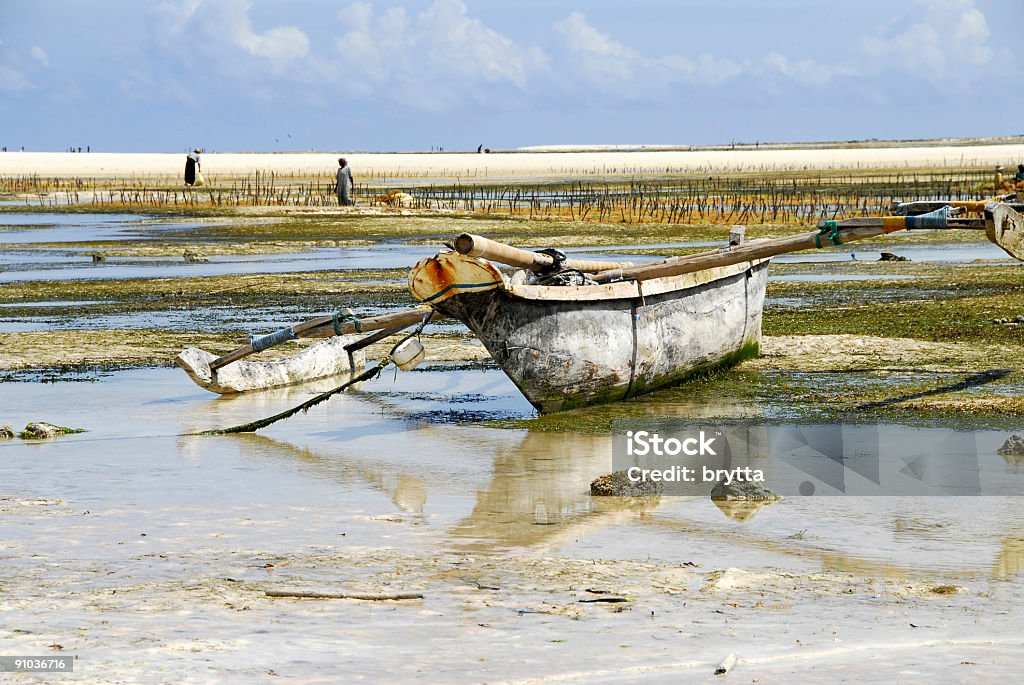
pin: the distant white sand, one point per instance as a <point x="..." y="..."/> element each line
<point x="468" y="166"/>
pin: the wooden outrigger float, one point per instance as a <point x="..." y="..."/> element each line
<point x="341" y="353"/>
<point x="320" y="360"/>
<point x="571" y="333"/>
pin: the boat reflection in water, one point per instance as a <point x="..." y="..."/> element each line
<point x="481" y="489"/>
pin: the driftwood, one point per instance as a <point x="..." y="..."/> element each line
<point x="727" y="665"/>
<point x="366" y="596"/>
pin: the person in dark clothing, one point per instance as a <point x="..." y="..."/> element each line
<point x="192" y="165"/>
<point x="345" y="183"/>
<point x="1019" y="176"/>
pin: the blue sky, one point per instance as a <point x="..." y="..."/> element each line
<point x="241" y="75"/>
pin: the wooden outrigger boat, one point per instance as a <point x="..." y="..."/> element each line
<point x="567" y="346"/>
<point x="571" y="333"/>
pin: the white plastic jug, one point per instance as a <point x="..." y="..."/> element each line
<point x="409" y="354"/>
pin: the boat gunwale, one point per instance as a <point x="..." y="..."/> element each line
<point x="627" y="289"/>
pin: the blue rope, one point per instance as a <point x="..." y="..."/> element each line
<point x="937" y="219"/>
<point x="268" y="341"/>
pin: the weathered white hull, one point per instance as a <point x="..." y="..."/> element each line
<point x="566" y="347"/>
<point x="325" y="358"/>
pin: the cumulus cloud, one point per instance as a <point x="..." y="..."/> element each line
<point x="939" y="39"/>
<point x="802" y="71"/>
<point x="611" y="66"/>
<point x="222" y="31"/>
<point x="598" y="56"/>
<point x="431" y="58"/>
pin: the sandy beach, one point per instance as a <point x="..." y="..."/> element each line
<point x="511" y="165"/>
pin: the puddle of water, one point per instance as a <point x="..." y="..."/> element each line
<point x="800" y="278"/>
<point x="929" y="252"/>
<point x="321" y="259"/>
<point x="39" y="219"/>
<point x="69" y="228"/>
<point x="135" y="522"/>
<point x="391" y="449"/>
<point x="53" y="303"/>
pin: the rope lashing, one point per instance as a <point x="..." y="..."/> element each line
<point x="338" y="318"/>
<point x="831" y="229"/>
<point x="271" y="339"/>
<point x="937" y="219"/>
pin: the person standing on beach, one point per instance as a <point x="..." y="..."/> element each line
<point x="345" y="183"/>
<point x="192" y="165"/>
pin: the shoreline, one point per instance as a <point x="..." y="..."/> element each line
<point x="525" y="164"/>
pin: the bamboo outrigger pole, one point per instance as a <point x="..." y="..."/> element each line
<point x="830" y="233"/>
<point x="1004" y="226"/>
<point x="325" y="327"/>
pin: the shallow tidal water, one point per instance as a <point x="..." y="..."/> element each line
<point x="136" y="539"/>
<point x="403" y="444"/>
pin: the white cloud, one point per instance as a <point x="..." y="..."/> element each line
<point x="617" y="68"/>
<point x="602" y="59"/>
<point x="802" y="71"/>
<point x="12" y="77"/>
<point x="39" y="55"/>
<point x="220" y="30"/>
<point x="12" y="80"/>
<point x="430" y="59"/>
<point x="939" y="39"/>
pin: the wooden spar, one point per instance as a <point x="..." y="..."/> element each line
<point x="846" y="231"/>
<point x="898" y="223"/>
<point x="366" y="596"/>
<point x="478" y="246"/>
<point x="323" y="327"/>
<point x="925" y="206"/>
<point x="377" y="336"/>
